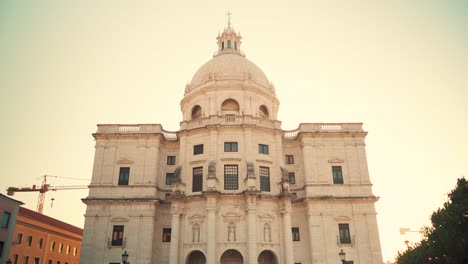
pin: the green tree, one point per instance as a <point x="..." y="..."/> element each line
<point x="446" y="242"/>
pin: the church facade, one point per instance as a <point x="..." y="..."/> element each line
<point x="230" y="186"/>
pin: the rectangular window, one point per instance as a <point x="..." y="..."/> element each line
<point x="170" y="160"/>
<point x="68" y="250"/>
<point x="1" y="248"/>
<point x="337" y="175"/>
<point x="345" y="237"/>
<point x="29" y="241"/>
<point x="295" y="234"/>
<point x="37" y="260"/>
<point x="75" y="250"/>
<point x="124" y="174"/>
<point x="263" y="149"/>
<point x="230" y="146"/>
<point x="39" y="243"/>
<point x="197" y="184"/>
<point x="19" y="238"/>
<point x="60" y="248"/>
<point x="198" y="149"/>
<point x="117" y="235"/>
<point x="231" y="177"/>
<point x="15" y="258"/>
<point x="264" y="179"/>
<point x="292" y="177"/>
<point x="50" y="261"/>
<point x="26" y="259"/>
<point x="289" y="159"/>
<point x="166" y="237"/>
<point x="169" y="178"/>
<point x="5" y="220"/>
<point x="52" y="246"/>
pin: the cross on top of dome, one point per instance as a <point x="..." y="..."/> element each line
<point x="229" y="18"/>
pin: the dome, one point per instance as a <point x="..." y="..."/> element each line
<point x="229" y="66"/>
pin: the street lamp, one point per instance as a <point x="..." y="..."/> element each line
<point x="125" y="257"/>
<point x="342" y="257"/>
<point x="8" y="261"/>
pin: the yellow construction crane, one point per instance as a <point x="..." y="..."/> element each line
<point x="45" y="188"/>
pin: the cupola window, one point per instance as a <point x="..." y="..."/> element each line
<point x="235" y="45"/>
<point x="229" y="44"/>
<point x="196" y="112"/>
<point x="263" y="111"/>
<point x="222" y="46"/>
<point x="230" y="105"/>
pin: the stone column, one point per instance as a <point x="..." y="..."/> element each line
<point x="174" y="249"/>
<point x="211" y="230"/>
<point x="287" y="230"/>
<point x="251" y="230"/>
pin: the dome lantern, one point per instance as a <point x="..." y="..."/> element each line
<point x="229" y="41"/>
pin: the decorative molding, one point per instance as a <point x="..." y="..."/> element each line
<point x="355" y="144"/>
<point x="119" y="219"/>
<point x="196" y="218"/>
<point x="265" y="217"/>
<point x="315" y="145"/>
<point x="124" y="161"/>
<point x="197" y="161"/>
<point x="342" y="218"/>
<point x="231" y="217"/>
<point x="231" y="159"/>
<point x="264" y="161"/>
<point x="336" y="160"/>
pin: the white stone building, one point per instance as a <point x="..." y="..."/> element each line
<point x="230" y="186"/>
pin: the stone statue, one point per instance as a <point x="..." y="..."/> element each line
<point x="250" y="170"/>
<point x="196" y="233"/>
<point x="284" y="174"/>
<point x="212" y="169"/>
<point x="177" y="175"/>
<point x="266" y="233"/>
<point x="284" y="180"/>
<point x="231" y="232"/>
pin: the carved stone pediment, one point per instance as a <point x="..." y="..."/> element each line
<point x="196" y="218"/>
<point x="231" y="217"/>
<point x="119" y="220"/>
<point x="124" y="161"/>
<point x="265" y="217"/>
<point x="342" y="218"/>
<point x="335" y="160"/>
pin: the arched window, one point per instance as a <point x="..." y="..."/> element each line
<point x="196" y="112"/>
<point x="263" y="111"/>
<point x="230" y="105"/>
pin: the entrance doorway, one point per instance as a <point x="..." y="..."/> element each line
<point x="232" y="256"/>
<point x="196" y="257"/>
<point x="267" y="257"/>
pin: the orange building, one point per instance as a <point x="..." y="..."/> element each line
<point x="39" y="239"/>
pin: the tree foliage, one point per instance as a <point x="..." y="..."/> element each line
<point x="446" y="242"/>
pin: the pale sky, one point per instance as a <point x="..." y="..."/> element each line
<point x="400" y="67"/>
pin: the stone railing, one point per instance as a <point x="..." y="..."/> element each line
<point x="228" y="120"/>
<point x="136" y="129"/>
<point x="323" y="128"/>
